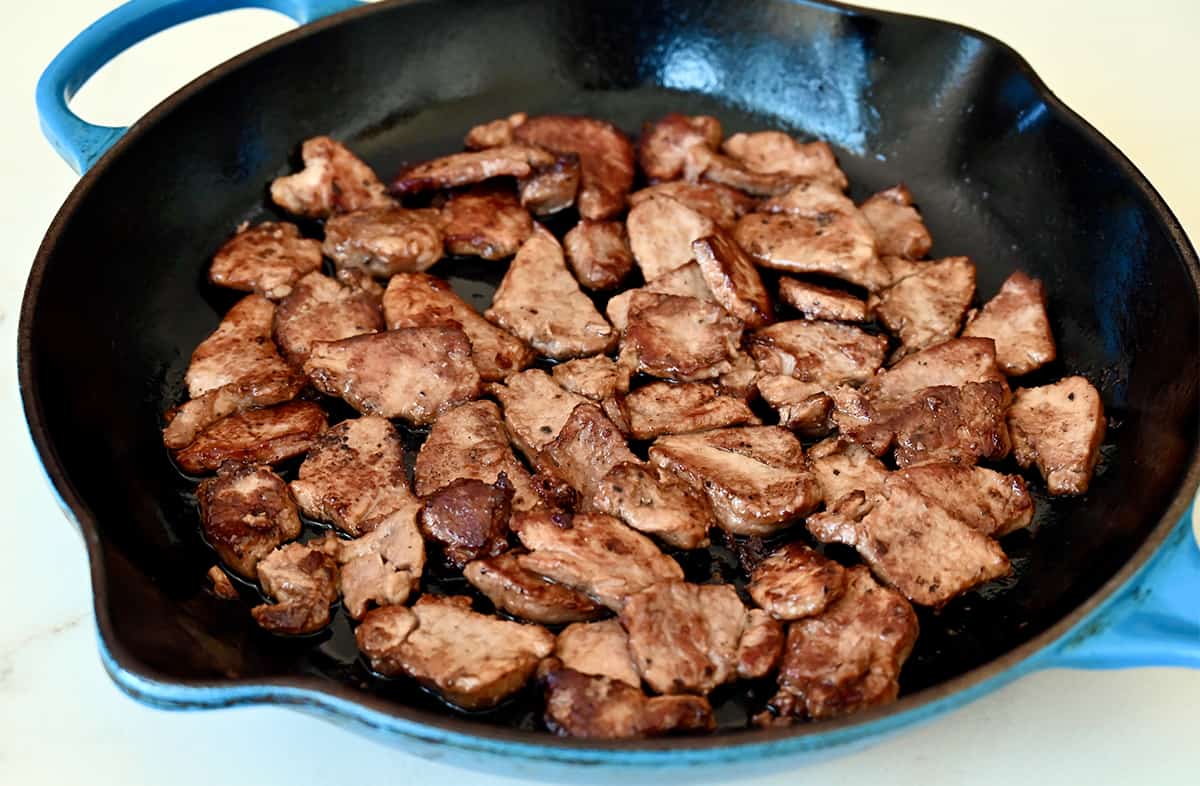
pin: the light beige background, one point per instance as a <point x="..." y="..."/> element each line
<point x="1128" y="67"/>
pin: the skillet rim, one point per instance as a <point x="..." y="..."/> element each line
<point x="342" y="703"/>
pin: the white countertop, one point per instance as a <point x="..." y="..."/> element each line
<point x="1128" y="67"/>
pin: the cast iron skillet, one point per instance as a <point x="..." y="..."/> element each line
<point x="1004" y="173"/>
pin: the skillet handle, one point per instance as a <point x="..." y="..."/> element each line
<point x="81" y="143"/>
<point x="1154" y="621"/>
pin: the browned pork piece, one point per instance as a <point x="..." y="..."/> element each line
<point x="384" y="241"/>
<point x="655" y="502"/>
<point x="256" y="436"/>
<point x="465" y="169"/>
<point x="661" y="233"/>
<point x="666" y="408"/>
<point x="740" y="381"/>
<point x="597" y="377"/>
<point x="952" y="363"/>
<point x="413" y="373"/>
<point x="485" y="222"/>
<point x="523" y="593"/>
<point x="535" y="409"/>
<point x="238" y="351"/>
<point x="733" y="279"/>
<point x="605" y="158"/>
<point x="598" y="648"/>
<point x="222" y="585"/>
<point x="842" y="468"/>
<point x="803" y="407"/>
<point x="774" y="152"/>
<point x="354" y="475"/>
<point x="599" y="253"/>
<point x="472" y="660"/>
<point x="1059" y="428"/>
<point x="686" y="281"/>
<point x="847" y="658"/>
<point x="470" y="441"/>
<point x="680" y="338"/>
<point x="993" y="503"/>
<point x="382" y="567"/>
<point x="333" y="181"/>
<point x="592" y="553"/>
<point x="926" y="306"/>
<point x="190" y="418"/>
<point x="899" y="230"/>
<point x="827" y="353"/>
<point x="540" y="302"/>
<point x="585" y="449"/>
<point x="494" y="133"/>
<point x="817" y="302"/>
<point x="586" y="705"/>
<point x="665" y="145"/>
<point x="754" y="477"/>
<point x="552" y="188"/>
<point x="469" y="518"/>
<point x="266" y="258"/>
<point x="722" y="204"/>
<point x="913" y="543"/>
<point x="421" y="300"/>
<point x="691" y="638"/>
<point x="794" y="582"/>
<point x="302" y="579"/>
<point x="1016" y="320"/>
<point x="246" y="512"/>
<point x="730" y="172"/>
<point x="814" y="229"/>
<point x="320" y="308"/>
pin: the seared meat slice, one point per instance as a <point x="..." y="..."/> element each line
<point x="796" y="582"/>
<point x="927" y="307"/>
<point x="899" y="230"/>
<point x="384" y="241"/>
<point x="914" y="544"/>
<point x="730" y="172"/>
<point x="755" y="477"/>
<point x="495" y="133"/>
<point x="833" y="244"/>
<point x="465" y="169"/>
<point x="733" y="279"/>
<point x="585" y="705"/>
<point x="302" y="580"/>
<point x="266" y="258"/>
<point x="238" y="351"/>
<point x="585" y="449"/>
<point x="540" y="302"/>
<point x="653" y="501"/>
<point x="190" y="418"/>
<point x="599" y="253"/>
<point x="597" y="378"/>
<point x="469" y="518"/>
<point x="246" y="512"/>
<point x="552" y="188"/>
<point x="470" y="441"/>
<point x="598" y="648"/>
<point x="322" y="309"/>
<point x="421" y="300"/>
<point x="681" y="338"/>
<point x="828" y="353"/>
<point x="665" y="408"/>
<point x="354" y="475"/>
<point x="843" y="467"/>
<point x="686" y="281"/>
<point x="485" y="222"/>
<point x="953" y="363"/>
<point x="222" y="585"/>
<point x="992" y="503"/>
<point x="523" y="593"/>
<point x="471" y="660"/>
<point x="804" y="407"/>
<point x="413" y="373"/>
<point x="257" y="436"/>
<point x="605" y="158"/>
<point x="661" y="233"/>
<point x="687" y="638"/>
<point x="817" y="302"/>
<point x="776" y="152"/>
<point x="333" y="181"/>
<point x="664" y="147"/>
<point x="849" y="657"/>
<point x="1059" y="428"/>
<point x="1016" y="319"/>
<point x="741" y="380"/>
<point x="722" y="204"/>
<point x="384" y="566"/>
<point x="535" y="409"/>
<point x="592" y="553"/>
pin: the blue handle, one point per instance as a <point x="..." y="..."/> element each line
<point x="1153" y="621"/>
<point x="81" y="143"/>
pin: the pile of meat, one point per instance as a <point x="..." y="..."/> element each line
<point x="680" y="385"/>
